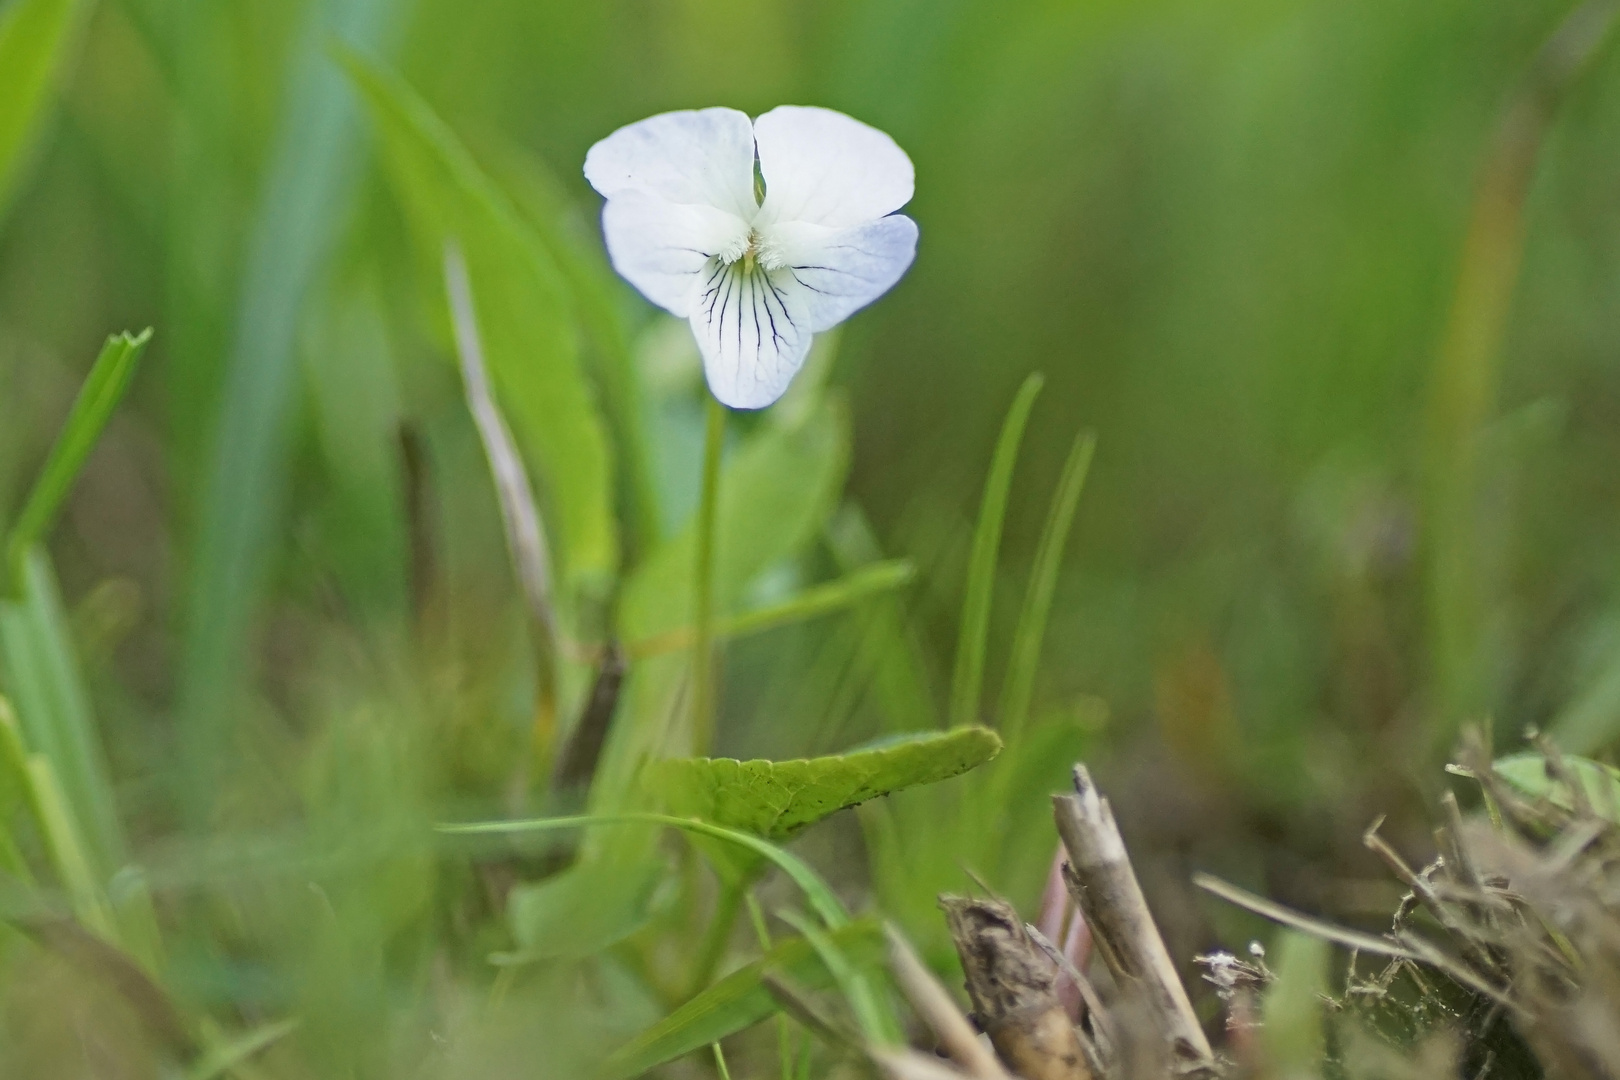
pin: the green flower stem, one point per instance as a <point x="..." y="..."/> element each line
<point x="703" y="583"/>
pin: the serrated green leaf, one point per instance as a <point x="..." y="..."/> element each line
<point x="35" y="39"/>
<point x="102" y="391"/>
<point x="530" y="340"/>
<point x="1527" y="772"/>
<point x="967" y="677"/>
<point x="776" y="799"/>
<point x="741" y="1000"/>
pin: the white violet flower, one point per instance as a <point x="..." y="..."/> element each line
<point x="755" y="278"/>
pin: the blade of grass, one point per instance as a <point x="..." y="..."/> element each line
<point x="36" y="37"/>
<point x="1026" y="651"/>
<point x="1463" y="380"/>
<point x="740" y="1000"/>
<point x="847" y="591"/>
<point x="307" y="193"/>
<point x="822" y="899"/>
<point x="15" y="787"/>
<point x="967" y="679"/>
<point x="224" y="1056"/>
<point x="53" y="816"/>
<point x="889" y="650"/>
<point x="53" y="707"/>
<point x="67" y="849"/>
<point x="103" y="389"/>
<point x="876" y="1022"/>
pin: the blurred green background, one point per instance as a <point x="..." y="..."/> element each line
<point x="1229" y="234"/>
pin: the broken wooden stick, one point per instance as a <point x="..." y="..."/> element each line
<point x="1009" y="980"/>
<point x="1106" y="890"/>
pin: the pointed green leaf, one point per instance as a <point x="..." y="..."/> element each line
<point x="35" y="39"/>
<point x="967" y="678"/>
<point x="741" y="1000"/>
<point x="102" y="391"/>
<point x="530" y="340"/>
<point x="776" y="799"/>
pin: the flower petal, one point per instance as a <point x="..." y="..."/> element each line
<point x="695" y="157"/>
<point x="826" y="168"/>
<point x="661" y="247"/>
<point x="843" y="270"/>
<point x="753" y="329"/>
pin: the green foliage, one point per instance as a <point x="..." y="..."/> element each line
<point x="741" y="999"/>
<point x="274" y="637"/>
<point x="822" y="900"/>
<point x="1293" y="1010"/>
<point x="775" y="490"/>
<point x="1528" y="773"/>
<point x="225" y="1059"/>
<point x="249" y="397"/>
<point x="56" y="753"/>
<point x="102" y="391"/>
<point x="1019" y="687"/>
<point x="36" y="37"/>
<point x="530" y="339"/>
<point x="973" y="636"/>
<point x="44" y="681"/>
<point x="777" y="799"/>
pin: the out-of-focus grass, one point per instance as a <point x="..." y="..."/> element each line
<point x="1228" y="235"/>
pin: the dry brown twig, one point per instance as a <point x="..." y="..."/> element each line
<point x="1010" y="981"/>
<point x="1105" y="887"/>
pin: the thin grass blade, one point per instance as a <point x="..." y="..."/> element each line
<point x="42" y="677"/>
<point x="967" y="678"/>
<point x="102" y="391"/>
<point x="36" y="38"/>
<point x="1026" y="651"/>
<point x="812" y="603"/>
<point x="225" y="1056"/>
<point x="872" y="1012"/>
<point x="741" y="1000"/>
<point x="823" y="901"/>
<point x="310" y="179"/>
